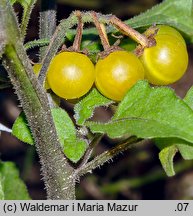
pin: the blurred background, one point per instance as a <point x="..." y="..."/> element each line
<point x="136" y="174"/>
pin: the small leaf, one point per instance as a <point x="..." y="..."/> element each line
<point x="21" y="130"/>
<point x="166" y="157"/>
<point x="85" y="108"/>
<point x="37" y="43"/>
<point x="73" y="147"/>
<point x="11" y="186"/>
<point x="185" y="148"/>
<point x="149" y="113"/>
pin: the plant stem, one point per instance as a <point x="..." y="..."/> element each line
<point x="127" y="30"/>
<point x="101" y="32"/>
<point x="65" y="25"/>
<point x="89" y="150"/>
<point x="78" y="36"/>
<point x="56" y="171"/>
<point x="108" y="155"/>
<point x="3" y="40"/>
<point x="47" y="22"/>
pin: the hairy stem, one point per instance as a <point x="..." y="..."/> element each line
<point x="94" y="142"/>
<point x="101" y="32"/>
<point x="47" y="22"/>
<point x="26" y="17"/>
<point x="127" y="30"/>
<point x="78" y="36"/>
<point x="56" y="171"/>
<point x="108" y="155"/>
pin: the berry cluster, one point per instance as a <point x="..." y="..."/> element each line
<point x="72" y="74"/>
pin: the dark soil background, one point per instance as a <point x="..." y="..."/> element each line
<point x="136" y="174"/>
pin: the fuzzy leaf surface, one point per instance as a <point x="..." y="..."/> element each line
<point x="85" y="108"/>
<point x="185" y="148"/>
<point x="186" y="151"/>
<point x="149" y="113"/>
<point x="21" y="130"/>
<point x="189" y="98"/>
<point x="11" y="186"/>
<point x="166" y="157"/>
<point x="73" y="147"/>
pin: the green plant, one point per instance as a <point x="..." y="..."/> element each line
<point x="144" y="112"/>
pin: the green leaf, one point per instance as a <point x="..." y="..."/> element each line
<point x="11" y="186"/>
<point x="21" y="130"/>
<point x="186" y="151"/>
<point x="91" y="42"/>
<point x="37" y="43"/>
<point x="176" y="13"/>
<point x="188" y="99"/>
<point x="85" y="108"/>
<point x="166" y="157"/>
<point x="73" y="147"/>
<point x="149" y="113"/>
<point x="185" y="148"/>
